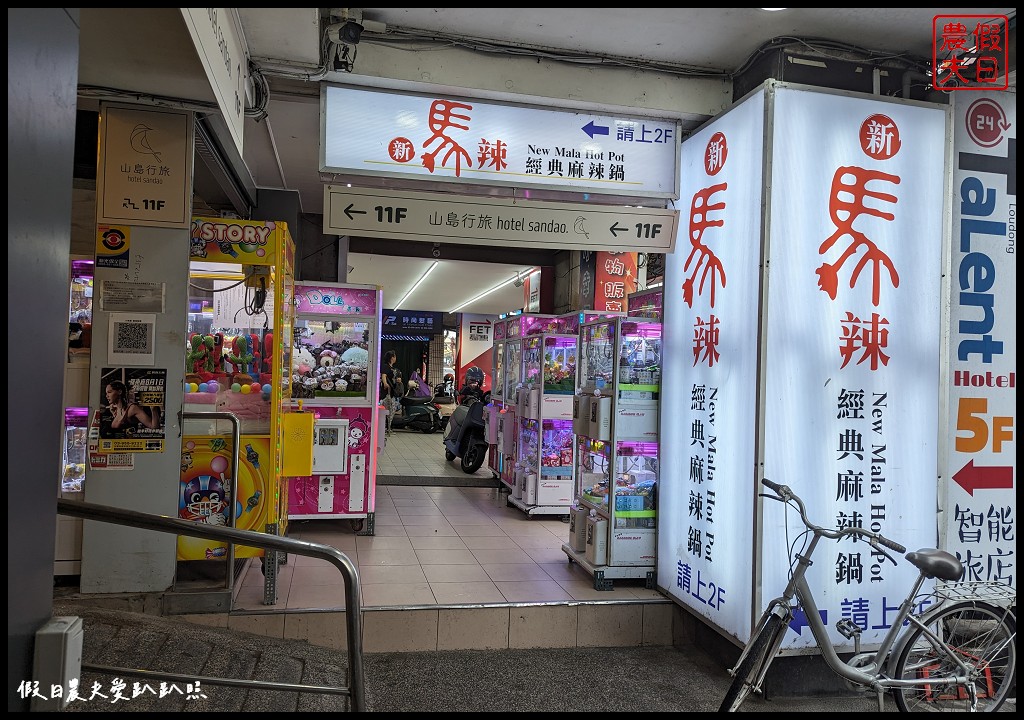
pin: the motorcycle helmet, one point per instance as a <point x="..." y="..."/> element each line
<point x="475" y="374"/>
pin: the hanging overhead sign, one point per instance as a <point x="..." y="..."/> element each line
<point x="220" y="43"/>
<point x="430" y="137"/>
<point x="435" y="217"/>
<point x="144" y="172"/>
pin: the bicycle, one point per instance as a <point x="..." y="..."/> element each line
<point x="959" y="655"/>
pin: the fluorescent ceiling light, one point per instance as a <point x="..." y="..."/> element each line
<point x="416" y="284"/>
<point x="488" y="292"/>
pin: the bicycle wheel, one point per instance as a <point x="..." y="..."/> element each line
<point x="762" y="649"/>
<point x="979" y="634"/>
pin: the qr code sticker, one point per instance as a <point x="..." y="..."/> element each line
<point x="133" y="337"/>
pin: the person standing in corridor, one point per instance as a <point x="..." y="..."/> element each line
<point x="387" y="384"/>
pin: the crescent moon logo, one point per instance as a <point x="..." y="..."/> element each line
<point x="140" y="141"/>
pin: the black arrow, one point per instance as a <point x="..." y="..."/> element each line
<point x="616" y="229"/>
<point x="350" y="212"/>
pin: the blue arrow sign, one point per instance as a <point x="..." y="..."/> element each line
<point x="591" y="129"/>
<point x="800" y="619"/>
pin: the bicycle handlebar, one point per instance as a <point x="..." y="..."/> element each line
<point x="786" y="495"/>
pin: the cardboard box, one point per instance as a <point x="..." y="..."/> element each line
<point x="597" y="541"/>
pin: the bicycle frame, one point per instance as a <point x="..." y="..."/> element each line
<point x="873" y="674"/>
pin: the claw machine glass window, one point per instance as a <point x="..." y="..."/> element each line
<point x="331" y="358"/>
<point x="76" y="437"/>
<point x="640" y="360"/>
<point x="513" y="355"/>
<point x="597" y="355"/>
<point x="560" y="365"/>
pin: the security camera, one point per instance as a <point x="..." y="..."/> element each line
<point x="345" y="33"/>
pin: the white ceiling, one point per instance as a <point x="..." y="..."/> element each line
<point x="281" y="151"/>
<point x="450" y="284"/>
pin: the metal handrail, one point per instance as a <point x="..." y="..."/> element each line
<point x="356" y="689"/>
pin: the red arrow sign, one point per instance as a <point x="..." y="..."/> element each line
<point x="972" y="478"/>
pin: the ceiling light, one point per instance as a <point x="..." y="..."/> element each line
<point x="416" y="284"/>
<point x="484" y="294"/>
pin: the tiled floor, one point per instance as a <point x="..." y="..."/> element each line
<point x="410" y="453"/>
<point x="437" y="546"/>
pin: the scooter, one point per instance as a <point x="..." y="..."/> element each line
<point x="418" y="414"/>
<point x="444" y="392"/>
<point x="464" y="437"/>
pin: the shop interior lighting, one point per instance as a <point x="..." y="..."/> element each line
<point x="493" y="289"/>
<point x="417" y="284"/>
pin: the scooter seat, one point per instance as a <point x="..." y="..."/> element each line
<point x="407" y="401"/>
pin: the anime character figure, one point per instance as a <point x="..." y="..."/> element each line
<point x="186" y="460"/>
<point x="252" y="456"/>
<point x="226" y="248"/>
<point x="197" y="247"/>
<point x="358" y="429"/>
<point x="204" y="499"/>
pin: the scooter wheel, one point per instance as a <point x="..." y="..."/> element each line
<point x="429" y="430"/>
<point x="449" y="455"/>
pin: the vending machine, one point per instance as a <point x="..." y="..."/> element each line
<point x="335" y="365"/>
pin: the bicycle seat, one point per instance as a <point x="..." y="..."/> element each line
<point x="936" y="563"/>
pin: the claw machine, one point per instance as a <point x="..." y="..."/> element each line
<point x="237" y="356"/>
<point x="545" y="458"/>
<point x="516" y="327"/>
<point x="613" y="524"/>
<point x="497" y="409"/>
<point x="68" y="549"/>
<point x="334" y="371"/>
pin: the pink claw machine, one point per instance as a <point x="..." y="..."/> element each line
<point x="335" y="366"/>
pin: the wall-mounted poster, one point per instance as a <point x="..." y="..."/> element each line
<point x="132" y="408"/>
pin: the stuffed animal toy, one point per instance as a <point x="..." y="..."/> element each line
<point x="200" y="358"/>
<point x="328" y="358"/>
<point x="241" y="356"/>
<point x="266" y="372"/>
<point x="218" y="352"/>
<point x="302" y="360"/>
